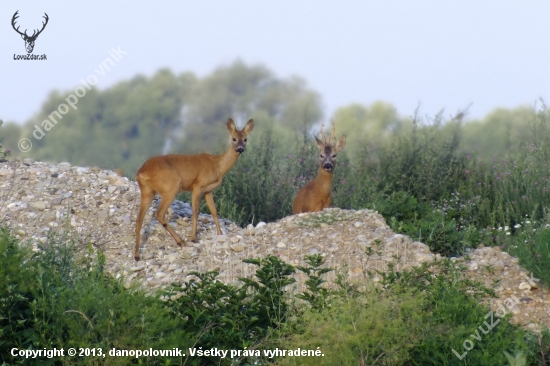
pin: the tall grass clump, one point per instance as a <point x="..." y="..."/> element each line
<point x="425" y="164"/>
<point x="530" y="243"/>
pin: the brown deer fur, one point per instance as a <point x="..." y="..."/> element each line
<point x="168" y="175"/>
<point x="315" y="196"/>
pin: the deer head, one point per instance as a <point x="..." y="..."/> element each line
<point x="238" y="138"/>
<point x="328" y="151"/>
<point x="29" y="40"/>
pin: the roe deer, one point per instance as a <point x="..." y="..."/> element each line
<point x="168" y="175"/>
<point x="315" y="196"/>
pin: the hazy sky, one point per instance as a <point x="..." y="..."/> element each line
<point x="441" y="54"/>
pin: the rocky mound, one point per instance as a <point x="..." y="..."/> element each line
<point x="99" y="207"/>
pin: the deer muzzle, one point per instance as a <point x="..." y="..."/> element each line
<point x="327" y="167"/>
<point x="240" y="149"/>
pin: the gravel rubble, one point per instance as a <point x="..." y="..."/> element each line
<point x="98" y="207"/>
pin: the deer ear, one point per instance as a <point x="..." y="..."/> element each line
<point x="320" y="144"/>
<point x="249" y="126"/>
<point x="231" y="126"/>
<point x="340" y="144"/>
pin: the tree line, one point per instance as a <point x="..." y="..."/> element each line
<point x="122" y="126"/>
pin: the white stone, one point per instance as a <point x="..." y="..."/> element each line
<point x="524" y="286"/>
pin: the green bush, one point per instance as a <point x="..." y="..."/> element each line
<point x="414" y="317"/>
<point x="20" y="325"/>
<point x="454" y="313"/>
<point x="233" y="317"/>
<point x="51" y="300"/>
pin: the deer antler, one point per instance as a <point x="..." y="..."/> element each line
<point x="331" y="134"/>
<point x="15" y="16"/>
<point x="323" y="134"/>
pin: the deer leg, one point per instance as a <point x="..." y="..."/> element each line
<point x="212" y="207"/>
<point x="147" y="195"/>
<point x="195" y="203"/>
<point x="327" y="203"/>
<point x="165" y="202"/>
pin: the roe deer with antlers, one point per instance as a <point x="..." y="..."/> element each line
<point x="315" y="196"/>
<point x="168" y="175"/>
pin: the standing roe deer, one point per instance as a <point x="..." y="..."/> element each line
<point x="315" y="196"/>
<point x="168" y="175"/>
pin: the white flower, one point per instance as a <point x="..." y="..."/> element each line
<point x="506" y="228"/>
<point x="527" y="221"/>
<point x="516" y="226"/>
<point x="508" y="233"/>
<point x="500" y="228"/>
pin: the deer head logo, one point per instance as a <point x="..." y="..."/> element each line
<point x="29" y="40"/>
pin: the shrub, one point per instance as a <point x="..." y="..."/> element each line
<point x="414" y="317"/>
<point x="233" y="317"/>
<point x="51" y="300"/>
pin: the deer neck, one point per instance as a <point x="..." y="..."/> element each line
<point x="227" y="160"/>
<point x="324" y="179"/>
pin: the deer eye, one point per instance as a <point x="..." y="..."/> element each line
<point x="234" y="139"/>
<point x="245" y="140"/>
<point x="334" y="155"/>
<point x="322" y="156"/>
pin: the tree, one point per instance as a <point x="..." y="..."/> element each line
<point x="371" y="126"/>
<point x="117" y="128"/>
<point x="497" y="132"/>
<point x="10" y="134"/>
<point x="242" y="92"/>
